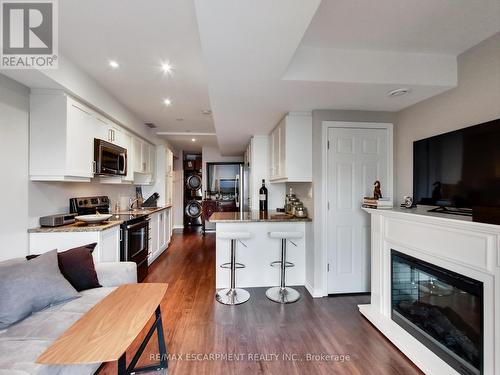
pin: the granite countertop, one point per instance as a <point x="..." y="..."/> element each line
<point x="77" y="227"/>
<point x="82" y="227"/>
<point x="146" y="210"/>
<point x="254" y="216"/>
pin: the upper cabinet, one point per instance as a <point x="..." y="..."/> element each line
<point x="290" y="149"/>
<point x="169" y="177"/>
<point x="61" y="139"/>
<point x="62" y="132"/>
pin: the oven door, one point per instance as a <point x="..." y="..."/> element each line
<point x="109" y="158"/>
<point x="136" y="247"/>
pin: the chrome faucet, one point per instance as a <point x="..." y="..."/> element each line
<point x="131" y="203"/>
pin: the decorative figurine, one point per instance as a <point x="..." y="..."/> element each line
<point x="377" y="192"/>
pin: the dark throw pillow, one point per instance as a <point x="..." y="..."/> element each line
<point x="77" y="266"/>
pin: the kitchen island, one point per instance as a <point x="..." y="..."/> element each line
<point x="261" y="250"/>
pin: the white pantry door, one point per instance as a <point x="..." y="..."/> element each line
<point x="356" y="158"/>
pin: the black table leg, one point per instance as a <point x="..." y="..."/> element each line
<point x="158" y="326"/>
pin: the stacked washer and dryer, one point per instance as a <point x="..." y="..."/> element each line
<point x="193" y="193"/>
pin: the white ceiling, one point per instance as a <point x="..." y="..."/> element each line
<point x="424" y="26"/>
<point x="265" y="58"/>
<point x="251" y="61"/>
<point x="140" y="35"/>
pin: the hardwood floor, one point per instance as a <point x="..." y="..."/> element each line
<point x="263" y="337"/>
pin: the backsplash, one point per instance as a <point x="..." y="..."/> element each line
<point x="48" y="198"/>
<point x="304" y="191"/>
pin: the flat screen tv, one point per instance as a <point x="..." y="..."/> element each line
<point x="460" y="170"/>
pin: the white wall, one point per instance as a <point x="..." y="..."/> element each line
<point x="14" y="104"/>
<point x="475" y="100"/>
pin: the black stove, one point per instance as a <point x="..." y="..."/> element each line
<point x="134" y="231"/>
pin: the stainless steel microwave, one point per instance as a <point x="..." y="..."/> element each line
<point x="109" y="159"/>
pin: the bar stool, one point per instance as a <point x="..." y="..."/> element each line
<point x="282" y="293"/>
<point x="232" y="295"/>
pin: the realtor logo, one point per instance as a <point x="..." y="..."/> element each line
<point x="28" y="34"/>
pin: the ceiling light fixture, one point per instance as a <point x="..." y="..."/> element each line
<point x="167" y="67"/>
<point x="114" y="64"/>
<point x="398" y="92"/>
<point x="193" y="139"/>
<point x="167" y="102"/>
<point x="207" y="112"/>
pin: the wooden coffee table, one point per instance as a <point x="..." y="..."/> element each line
<point x="107" y="330"/>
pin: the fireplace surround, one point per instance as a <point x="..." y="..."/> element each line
<point x="457" y="246"/>
<point x="440" y="308"/>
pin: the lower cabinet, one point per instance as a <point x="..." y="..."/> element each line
<point x="160" y="229"/>
<point x="106" y="250"/>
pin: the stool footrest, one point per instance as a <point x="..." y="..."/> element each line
<point x="228" y="265"/>
<point x="278" y="263"/>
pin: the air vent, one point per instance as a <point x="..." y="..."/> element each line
<point x="150" y="125"/>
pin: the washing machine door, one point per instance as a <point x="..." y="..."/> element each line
<point x="193" y="182"/>
<point x="193" y="209"/>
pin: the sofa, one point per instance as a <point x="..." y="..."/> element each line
<point x="22" y="342"/>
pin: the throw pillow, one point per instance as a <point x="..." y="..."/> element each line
<point x="77" y="266"/>
<point x="27" y="287"/>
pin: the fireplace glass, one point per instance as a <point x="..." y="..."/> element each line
<point x="440" y="308"/>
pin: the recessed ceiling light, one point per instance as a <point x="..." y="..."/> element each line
<point x="398" y="92"/>
<point x="207" y="112"/>
<point x="114" y="64"/>
<point x="167" y="102"/>
<point x="193" y="139"/>
<point x="167" y="67"/>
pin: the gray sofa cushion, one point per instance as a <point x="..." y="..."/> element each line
<point x="23" y="342"/>
<point x="27" y="287"/>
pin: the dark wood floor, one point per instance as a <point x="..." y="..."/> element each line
<point x="263" y="337"/>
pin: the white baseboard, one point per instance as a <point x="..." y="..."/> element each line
<point x="315" y="293"/>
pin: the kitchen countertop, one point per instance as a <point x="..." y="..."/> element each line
<point x="254" y="216"/>
<point x="146" y="210"/>
<point x="77" y="227"/>
<point x="82" y="227"/>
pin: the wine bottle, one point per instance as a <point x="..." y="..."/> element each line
<point x="263" y="197"/>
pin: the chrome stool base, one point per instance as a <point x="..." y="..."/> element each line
<point x="229" y="296"/>
<point x="282" y="295"/>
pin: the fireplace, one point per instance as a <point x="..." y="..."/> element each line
<point x="440" y="308"/>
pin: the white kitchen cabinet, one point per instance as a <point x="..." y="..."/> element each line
<point x="290" y="153"/>
<point x="137" y="155"/>
<point x="106" y="250"/>
<point x="145" y="155"/>
<point x="159" y="233"/>
<point x="154" y="232"/>
<point x="110" y="132"/>
<point x="152" y="163"/>
<point x="61" y="138"/>
<point x="143" y="161"/>
<point x="62" y="132"/>
<point x="162" y="231"/>
<point x="169" y="177"/>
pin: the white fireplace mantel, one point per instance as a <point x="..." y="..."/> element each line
<point x="451" y="242"/>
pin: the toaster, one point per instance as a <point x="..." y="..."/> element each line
<point x="57" y="220"/>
